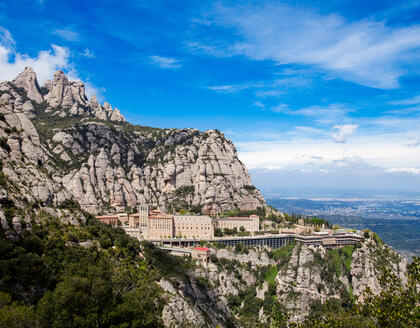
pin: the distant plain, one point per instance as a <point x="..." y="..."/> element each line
<point x="395" y="217"/>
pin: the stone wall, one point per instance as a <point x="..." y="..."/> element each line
<point x="250" y="224"/>
<point x="193" y="226"/>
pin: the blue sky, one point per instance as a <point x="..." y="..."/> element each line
<point x="315" y="94"/>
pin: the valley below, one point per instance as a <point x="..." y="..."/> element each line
<point x="396" y="221"/>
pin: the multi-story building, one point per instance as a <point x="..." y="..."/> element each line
<point x="155" y="224"/>
<point x="329" y="240"/>
<point x="193" y="226"/>
<point x="251" y="223"/>
<point x="160" y="226"/>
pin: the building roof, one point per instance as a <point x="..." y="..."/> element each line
<point x="204" y="249"/>
<point x="115" y="216"/>
<point x="161" y="216"/>
<point x="236" y="218"/>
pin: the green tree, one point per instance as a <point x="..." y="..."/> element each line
<point x="15" y="315"/>
<point x="80" y="300"/>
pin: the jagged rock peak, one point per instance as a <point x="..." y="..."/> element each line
<point x="27" y="80"/>
<point x="64" y="97"/>
<point x="66" y="94"/>
<point x="70" y="95"/>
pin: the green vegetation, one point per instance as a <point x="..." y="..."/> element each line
<point x="271" y="275"/>
<point x="49" y="280"/>
<point x="282" y="254"/>
<point x="260" y="211"/>
<point x="317" y="222"/>
<point x="347" y="252"/>
<point x="241" y="249"/>
<point x="335" y="262"/>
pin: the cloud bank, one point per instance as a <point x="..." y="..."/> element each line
<point x="365" y="52"/>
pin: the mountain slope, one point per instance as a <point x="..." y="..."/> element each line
<point x="106" y="163"/>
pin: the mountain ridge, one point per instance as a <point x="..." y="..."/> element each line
<point x="108" y="164"/>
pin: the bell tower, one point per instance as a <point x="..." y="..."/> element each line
<point x="144" y="212"/>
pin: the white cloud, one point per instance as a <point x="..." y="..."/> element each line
<point x="259" y="104"/>
<point x="320" y="114"/>
<point x="6" y="38"/>
<point x="406" y="102"/>
<point x="269" y="93"/>
<point x="165" y="62"/>
<point x="383" y="152"/>
<point x="366" y="52"/>
<point x="283" y="108"/>
<point x="409" y="170"/>
<point x="67" y="34"/>
<point x="342" y="132"/>
<point x="263" y="88"/>
<point x="87" y="53"/>
<point x="226" y="88"/>
<point x="44" y="64"/>
<point x="415" y="143"/>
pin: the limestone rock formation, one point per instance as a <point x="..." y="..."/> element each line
<point x="68" y="98"/>
<point x="62" y="149"/>
<point x="311" y="275"/>
<point x="27" y="81"/>
<point x="106" y="163"/>
<point x="25" y="181"/>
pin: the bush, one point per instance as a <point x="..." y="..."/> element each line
<point x="271" y="275"/>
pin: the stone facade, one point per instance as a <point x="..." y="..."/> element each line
<point x="160" y="226"/>
<point x="201" y="254"/>
<point x="154" y="224"/>
<point x="250" y="224"/>
<point x="193" y="226"/>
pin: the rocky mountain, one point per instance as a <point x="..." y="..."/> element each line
<point x="62" y="154"/>
<point x="105" y="163"/>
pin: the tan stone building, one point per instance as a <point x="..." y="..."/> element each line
<point x="154" y="224"/>
<point x="108" y="219"/>
<point x="251" y="223"/>
<point x="193" y="226"/>
<point x="201" y="254"/>
<point x="114" y="219"/>
<point x="160" y="226"/>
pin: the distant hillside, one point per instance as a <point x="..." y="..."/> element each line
<point x="396" y="221"/>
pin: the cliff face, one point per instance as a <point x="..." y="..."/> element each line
<point x="26" y="187"/>
<point x="104" y="162"/>
<point x="315" y="274"/>
<point x="240" y="286"/>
